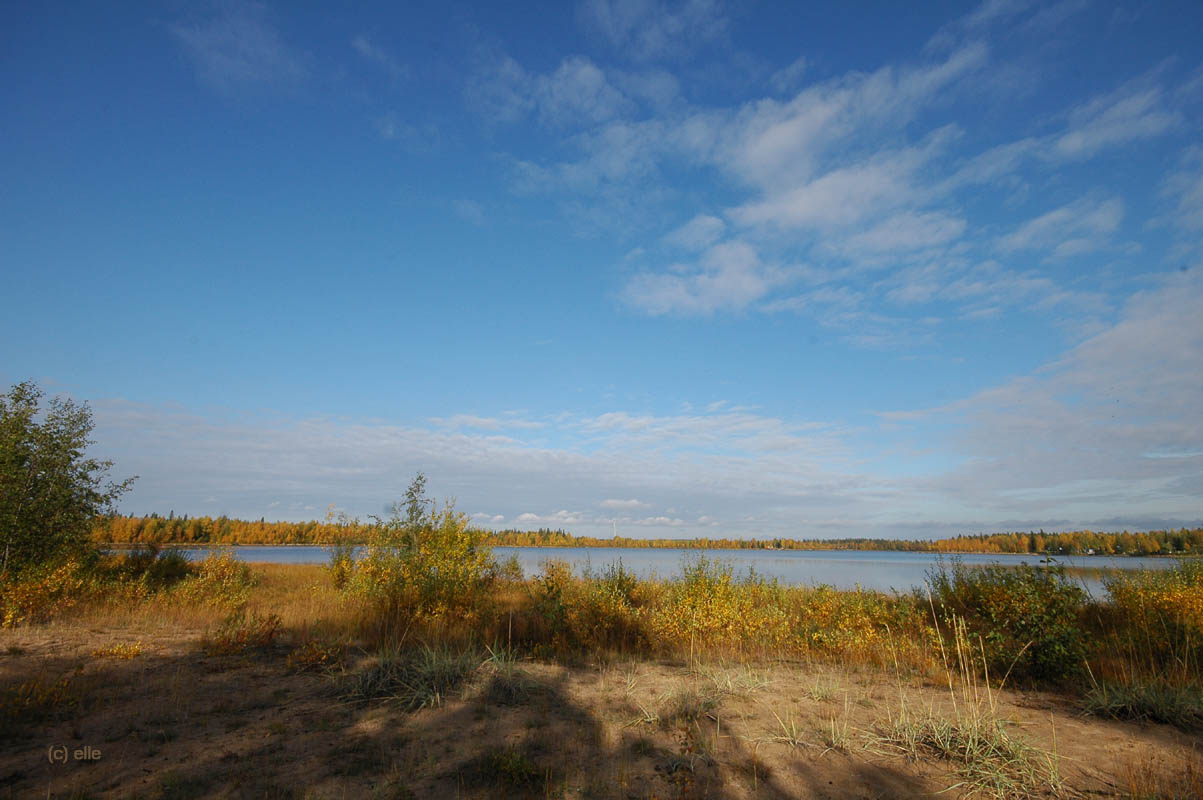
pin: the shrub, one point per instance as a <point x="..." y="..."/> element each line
<point x="1027" y="618"/>
<point x="220" y="580"/>
<point x="709" y="609"/>
<point x="40" y="594"/>
<point x="425" y="563"/>
<point x="1157" y="616"/>
<point x="342" y="564"/>
<point x="152" y="569"/>
<point x="551" y="595"/>
<point x="855" y="624"/>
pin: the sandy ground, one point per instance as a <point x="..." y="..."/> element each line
<point x="176" y="722"/>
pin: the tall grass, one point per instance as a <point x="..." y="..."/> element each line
<point x="1150" y="647"/>
<point x="990" y="759"/>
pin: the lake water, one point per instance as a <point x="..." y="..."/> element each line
<point x="843" y="569"/>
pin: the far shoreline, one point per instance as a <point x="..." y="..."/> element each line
<point x="684" y="546"/>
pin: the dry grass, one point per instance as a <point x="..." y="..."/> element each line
<point x="267" y="715"/>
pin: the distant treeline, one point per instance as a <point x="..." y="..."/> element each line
<point x="223" y="530"/>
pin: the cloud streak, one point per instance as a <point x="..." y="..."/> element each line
<point x="238" y="47"/>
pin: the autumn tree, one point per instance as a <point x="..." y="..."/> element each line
<point x="50" y="490"/>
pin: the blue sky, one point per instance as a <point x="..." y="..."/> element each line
<point x="686" y="269"/>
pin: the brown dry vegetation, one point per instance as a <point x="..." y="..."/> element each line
<point x="285" y="692"/>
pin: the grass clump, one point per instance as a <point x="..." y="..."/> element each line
<point x="507" y="772"/>
<point x="687" y="706"/>
<point x="315" y="655"/>
<point x="1154" y="700"/>
<point x="416" y="679"/>
<point x="508" y="685"/>
<point x="990" y="759"/>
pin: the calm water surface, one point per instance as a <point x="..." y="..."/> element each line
<point x="843" y="569"/>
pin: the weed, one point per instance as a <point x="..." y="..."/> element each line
<point x="737" y="681"/>
<point x="1155" y="779"/>
<point x="513" y="768"/>
<point x="422" y="564"/>
<point x="790" y="734"/>
<point x="687" y="705"/>
<point x="835" y="734"/>
<point x="36" y="698"/>
<point x="316" y="656"/>
<point x="45" y="592"/>
<point x="508" y="688"/>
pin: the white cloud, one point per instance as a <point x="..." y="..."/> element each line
<point x="1000" y="161"/>
<point x="656" y="87"/>
<point x="1129" y="114"/>
<point x="379" y="56"/>
<point x="788" y="77"/>
<point x="623" y="504"/>
<point x="470" y="210"/>
<point x="671" y="522"/>
<point x="1081" y="225"/>
<point x="699" y="233"/>
<point x="412" y="138"/>
<point x="238" y="47"/>
<point x="1084" y="432"/>
<point x="906" y="231"/>
<point x="841" y="197"/>
<point x="1111" y="429"/>
<point x="728" y="277"/>
<point x="557" y="518"/>
<point x="1184" y="186"/>
<point x="576" y="93"/>
<point x="776" y="145"/>
<point x="1051" y="16"/>
<point x="484" y="423"/>
<point x="647" y="30"/>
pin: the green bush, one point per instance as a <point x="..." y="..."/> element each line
<point x="1027" y="619"/>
